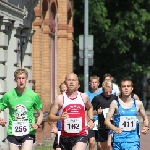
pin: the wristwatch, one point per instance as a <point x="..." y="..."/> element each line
<point x="38" y="125"/>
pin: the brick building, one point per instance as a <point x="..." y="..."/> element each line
<point x="52" y="51"/>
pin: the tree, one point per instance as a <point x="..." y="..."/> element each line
<point x="121" y="36"/>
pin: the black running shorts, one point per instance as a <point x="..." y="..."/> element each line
<point x="67" y="143"/>
<point x="19" y="140"/>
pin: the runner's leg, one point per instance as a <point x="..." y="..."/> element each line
<point x="91" y="136"/>
<point x="79" y="146"/>
<point x="27" y="145"/>
<point x="13" y="146"/>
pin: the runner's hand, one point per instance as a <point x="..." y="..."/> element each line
<point x="2" y="122"/>
<point x="34" y="126"/>
<point x="54" y="129"/>
<point x="99" y="111"/>
<point x="90" y="125"/>
<point x="145" y="130"/>
<point x="64" y="115"/>
<point x="118" y="130"/>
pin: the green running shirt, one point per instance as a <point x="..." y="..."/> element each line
<point x="21" y="108"/>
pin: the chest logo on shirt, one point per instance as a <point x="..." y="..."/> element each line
<point x="20" y="112"/>
<point x="74" y="108"/>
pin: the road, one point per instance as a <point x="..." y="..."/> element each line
<point x="145" y="141"/>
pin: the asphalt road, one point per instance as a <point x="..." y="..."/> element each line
<point x="145" y="141"/>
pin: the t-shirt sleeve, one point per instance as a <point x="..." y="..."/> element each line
<point x="116" y="89"/>
<point x="95" y="103"/>
<point x="37" y="103"/>
<point x="3" y="102"/>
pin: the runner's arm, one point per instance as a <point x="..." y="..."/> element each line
<point x="3" y="102"/>
<point x="143" y="113"/>
<point x="40" y="117"/>
<point x="95" y="103"/>
<point x="110" y="114"/>
<point x="88" y="105"/>
<point x="49" y="122"/>
<point x="54" y="109"/>
<point x="136" y="97"/>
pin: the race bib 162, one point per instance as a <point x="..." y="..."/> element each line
<point x="73" y="125"/>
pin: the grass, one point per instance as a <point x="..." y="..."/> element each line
<point x="46" y="147"/>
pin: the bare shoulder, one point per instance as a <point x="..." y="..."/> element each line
<point x="84" y="97"/>
<point x="136" y="97"/>
<point x="59" y="99"/>
<point x="114" y="104"/>
<point x="139" y="103"/>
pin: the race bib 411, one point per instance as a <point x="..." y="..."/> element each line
<point x="128" y="123"/>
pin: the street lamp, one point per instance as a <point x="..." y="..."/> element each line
<point x="23" y="41"/>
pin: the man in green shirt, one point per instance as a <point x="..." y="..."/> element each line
<point x="21" y="102"/>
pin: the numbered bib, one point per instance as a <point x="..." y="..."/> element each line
<point x="105" y="112"/>
<point x="128" y="123"/>
<point x="73" y="125"/>
<point x="20" y="128"/>
<point x="95" y="125"/>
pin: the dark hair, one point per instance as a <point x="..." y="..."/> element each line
<point x="123" y="80"/>
<point x="106" y="75"/>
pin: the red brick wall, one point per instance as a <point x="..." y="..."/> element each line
<point x="42" y="53"/>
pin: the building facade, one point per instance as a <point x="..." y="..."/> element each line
<point x="52" y="51"/>
<point x="16" y="18"/>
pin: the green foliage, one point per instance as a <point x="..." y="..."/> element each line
<point x="121" y="36"/>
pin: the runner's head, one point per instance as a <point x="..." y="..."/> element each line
<point x="72" y="82"/>
<point x="21" y="78"/>
<point x="63" y="87"/>
<point x="107" y="77"/>
<point x="94" y="82"/>
<point x="126" y="87"/>
<point x="107" y="88"/>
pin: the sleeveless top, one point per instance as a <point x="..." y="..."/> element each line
<point x="58" y="124"/>
<point x="126" y="118"/>
<point x="75" y="124"/>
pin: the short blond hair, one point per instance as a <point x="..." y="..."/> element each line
<point x="20" y="71"/>
<point x="107" y="84"/>
<point x="94" y="77"/>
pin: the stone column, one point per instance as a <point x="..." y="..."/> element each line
<point x="4" y="34"/>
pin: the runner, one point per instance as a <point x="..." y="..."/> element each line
<point x="125" y="111"/>
<point x="134" y="96"/>
<point x="72" y="106"/>
<point x="102" y="103"/>
<point x="21" y="102"/>
<point x="115" y="90"/>
<point x="94" y="91"/>
<point x="56" y="128"/>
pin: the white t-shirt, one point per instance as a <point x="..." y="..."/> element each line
<point x="115" y="89"/>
